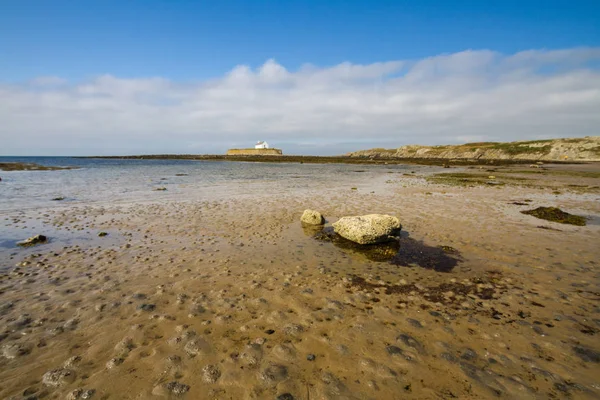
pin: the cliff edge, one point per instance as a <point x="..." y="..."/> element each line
<point x="570" y="149"/>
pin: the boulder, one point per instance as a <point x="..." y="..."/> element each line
<point x="312" y="217"/>
<point x="368" y="229"/>
<point x="33" y="240"/>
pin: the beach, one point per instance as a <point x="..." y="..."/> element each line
<point x="217" y="291"/>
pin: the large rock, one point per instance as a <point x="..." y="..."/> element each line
<point x="368" y="229"/>
<point x="312" y="217"/>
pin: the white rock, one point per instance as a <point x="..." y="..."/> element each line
<point x="367" y="229"/>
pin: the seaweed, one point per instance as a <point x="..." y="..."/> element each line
<point x="555" y="214"/>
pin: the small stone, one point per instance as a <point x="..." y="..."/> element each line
<point x="71" y="362"/>
<point x="312" y="217"/>
<point x="311" y="357"/>
<point x="210" y="373"/>
<point x="58" y="377"/>
<point x="81" y="394"/>
<point x="113" y="362"/>
<point x="270" y="331"/>
<point x="285" y="396"/>
<point x="102" y="234"/>
<point x="177" y="388"/>
<point x="393" y="350"/>
<point x="147" y="307"/>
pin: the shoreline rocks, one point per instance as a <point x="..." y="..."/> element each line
<point x="368" y="229"/>
<point x="32" y="241"/>
<point x="312" y="217"/>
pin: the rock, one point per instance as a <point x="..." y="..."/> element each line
<point x="171" y="388"/>
<point x="146" y="307"/>
<point x="392" y="350"/>
<point x="312" y="217"/>
<point x="368" y="229"/>
<point x="113" y="362"/>
<point x="81" y="394"/>
<point x="102" y="234"/>
<point x="60" y="198"/>
<point x="285" y="396"/>
<point x="32" y="241"/>
<point x="177" y="388"/>
<point x="210" y="373"/>
<point x="58" y="377"/>
<point x="311" y="357"/>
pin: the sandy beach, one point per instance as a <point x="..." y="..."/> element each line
<point x="233" y="298"/>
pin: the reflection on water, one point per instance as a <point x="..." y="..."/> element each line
<point x="404" y="251"/>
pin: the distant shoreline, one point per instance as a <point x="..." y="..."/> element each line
<point x="330" y="159"/>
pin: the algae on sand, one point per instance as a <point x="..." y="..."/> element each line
<point x="555" y="214"/>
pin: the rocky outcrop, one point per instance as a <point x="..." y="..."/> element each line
<point x="368" y="229"/>
<point x="573" y="149"/>
<point x="32" y="241"/>
<point x="18" y="166"/>
<point x="312" y="217"/>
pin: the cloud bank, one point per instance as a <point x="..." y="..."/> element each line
<point x="450" y="98"/>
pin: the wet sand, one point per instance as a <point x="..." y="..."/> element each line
<point x="233" y="299"/>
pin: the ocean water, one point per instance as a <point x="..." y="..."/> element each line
<point x="112" y="181"/>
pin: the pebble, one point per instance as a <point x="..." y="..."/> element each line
<point x="210" y="373"/>
<point x="81" y="394"/>
<point x="393" y="350"/>
<point x="311" y="357"/>
<point x="113" y="362"/>
<point x="177" y="388"/>
<point x="285" y="396"/>
<point x="146" y="307"/>
<point x="58" y="377"/>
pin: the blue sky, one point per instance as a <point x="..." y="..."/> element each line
<point x="198" y="43"/>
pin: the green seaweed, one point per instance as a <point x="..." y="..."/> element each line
<point x="522" y="148"/>
<point x="555" y="214"/>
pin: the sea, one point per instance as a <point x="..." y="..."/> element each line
<point x="114" y="181"/>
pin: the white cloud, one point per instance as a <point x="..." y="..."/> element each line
<point x="444" y="99"/>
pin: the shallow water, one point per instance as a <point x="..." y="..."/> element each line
<point x="121" y="181"/>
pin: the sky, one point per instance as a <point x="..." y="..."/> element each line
<point x="310" y="77"/>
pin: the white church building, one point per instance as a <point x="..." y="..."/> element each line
<point x="261" y="145"/>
